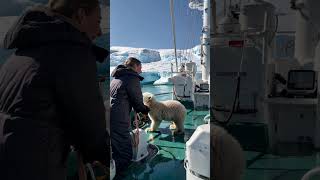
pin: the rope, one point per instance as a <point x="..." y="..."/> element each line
<point x="89" y="167"/>
<point x="136" y="134"/>
<point x="175" y="93"/>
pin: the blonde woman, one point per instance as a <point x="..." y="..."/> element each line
<point x="125" y="92"/>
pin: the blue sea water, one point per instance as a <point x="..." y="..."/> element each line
<point x="161" y="92"/>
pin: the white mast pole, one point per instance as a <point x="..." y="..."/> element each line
<point x="206" y="40"/>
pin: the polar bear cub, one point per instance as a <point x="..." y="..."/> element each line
<point x="170" y="110"/>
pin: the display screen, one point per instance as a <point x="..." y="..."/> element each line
<point x="301" y="79"/>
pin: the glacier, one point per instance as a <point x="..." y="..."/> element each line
<point x="156" y="63"/>
<point x="120" y="54"/>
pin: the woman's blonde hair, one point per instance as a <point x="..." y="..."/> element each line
<point x="132" y="62"/>
<point x="69" y="7"/>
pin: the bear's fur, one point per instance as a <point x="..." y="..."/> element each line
<point x="170" y="110"/>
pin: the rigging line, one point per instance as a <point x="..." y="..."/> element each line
<point x="197" y="16"/>
<point x="178" y="14"/>
<point x="192" y="36"/>
<point x="191" y="12"/>
<point x="187" y="36"/>
<point x="187" y="15"/>
<point x="189" y="32"/>
<point x="193" y="30"/>
<point x="194" y="17"/>
<point x="173" y="32"/>
<point x="181" y="10"/>
<point x="193" y="21"/>
<point x="184" y="45"/>
<point x="185" y="19"/>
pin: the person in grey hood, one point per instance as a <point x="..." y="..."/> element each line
<point x="125" y="92"/>
<point x="49" y="96"/>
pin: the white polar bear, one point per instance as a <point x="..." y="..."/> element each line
<point x="170" y="110"/>
<point x="228" y="157"/>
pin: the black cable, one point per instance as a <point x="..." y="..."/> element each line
<point x="237" y="93"/>
<point x="173" y="156"/>
<point x="224" y="123"/>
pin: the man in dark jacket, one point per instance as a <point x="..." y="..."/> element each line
<point x="125" y="92"/>
<point x="49" y="97"/>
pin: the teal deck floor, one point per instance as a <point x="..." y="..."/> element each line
<point x="168" y="163"/>
<point x="271" y="167"/>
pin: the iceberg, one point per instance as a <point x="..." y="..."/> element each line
<point x="150" y="77"/>
<point x="164" y="78"/>
<point x="156" y="63"/>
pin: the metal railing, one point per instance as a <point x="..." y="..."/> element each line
<point x="159" y="94"/>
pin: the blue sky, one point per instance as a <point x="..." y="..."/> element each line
<point x="147" y="24"/>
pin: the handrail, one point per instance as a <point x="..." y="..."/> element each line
<point x="311" y="173"/>
<point x="163" y="93"/>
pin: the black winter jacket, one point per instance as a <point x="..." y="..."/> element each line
<point x="49" y="98"/>
<point x="125" y="92"/>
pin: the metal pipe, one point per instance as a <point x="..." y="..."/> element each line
<point x="313" y="172"/>
<point x="159" y="94"/>
<point x="224" y="7"/>
<point x="213" y="23"/>
<point x="264" y="43"/>
<point x="304" y="47"/>
<point x="206" y="40"/>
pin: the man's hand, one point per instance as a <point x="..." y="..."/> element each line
<point x="145" y="116"/>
